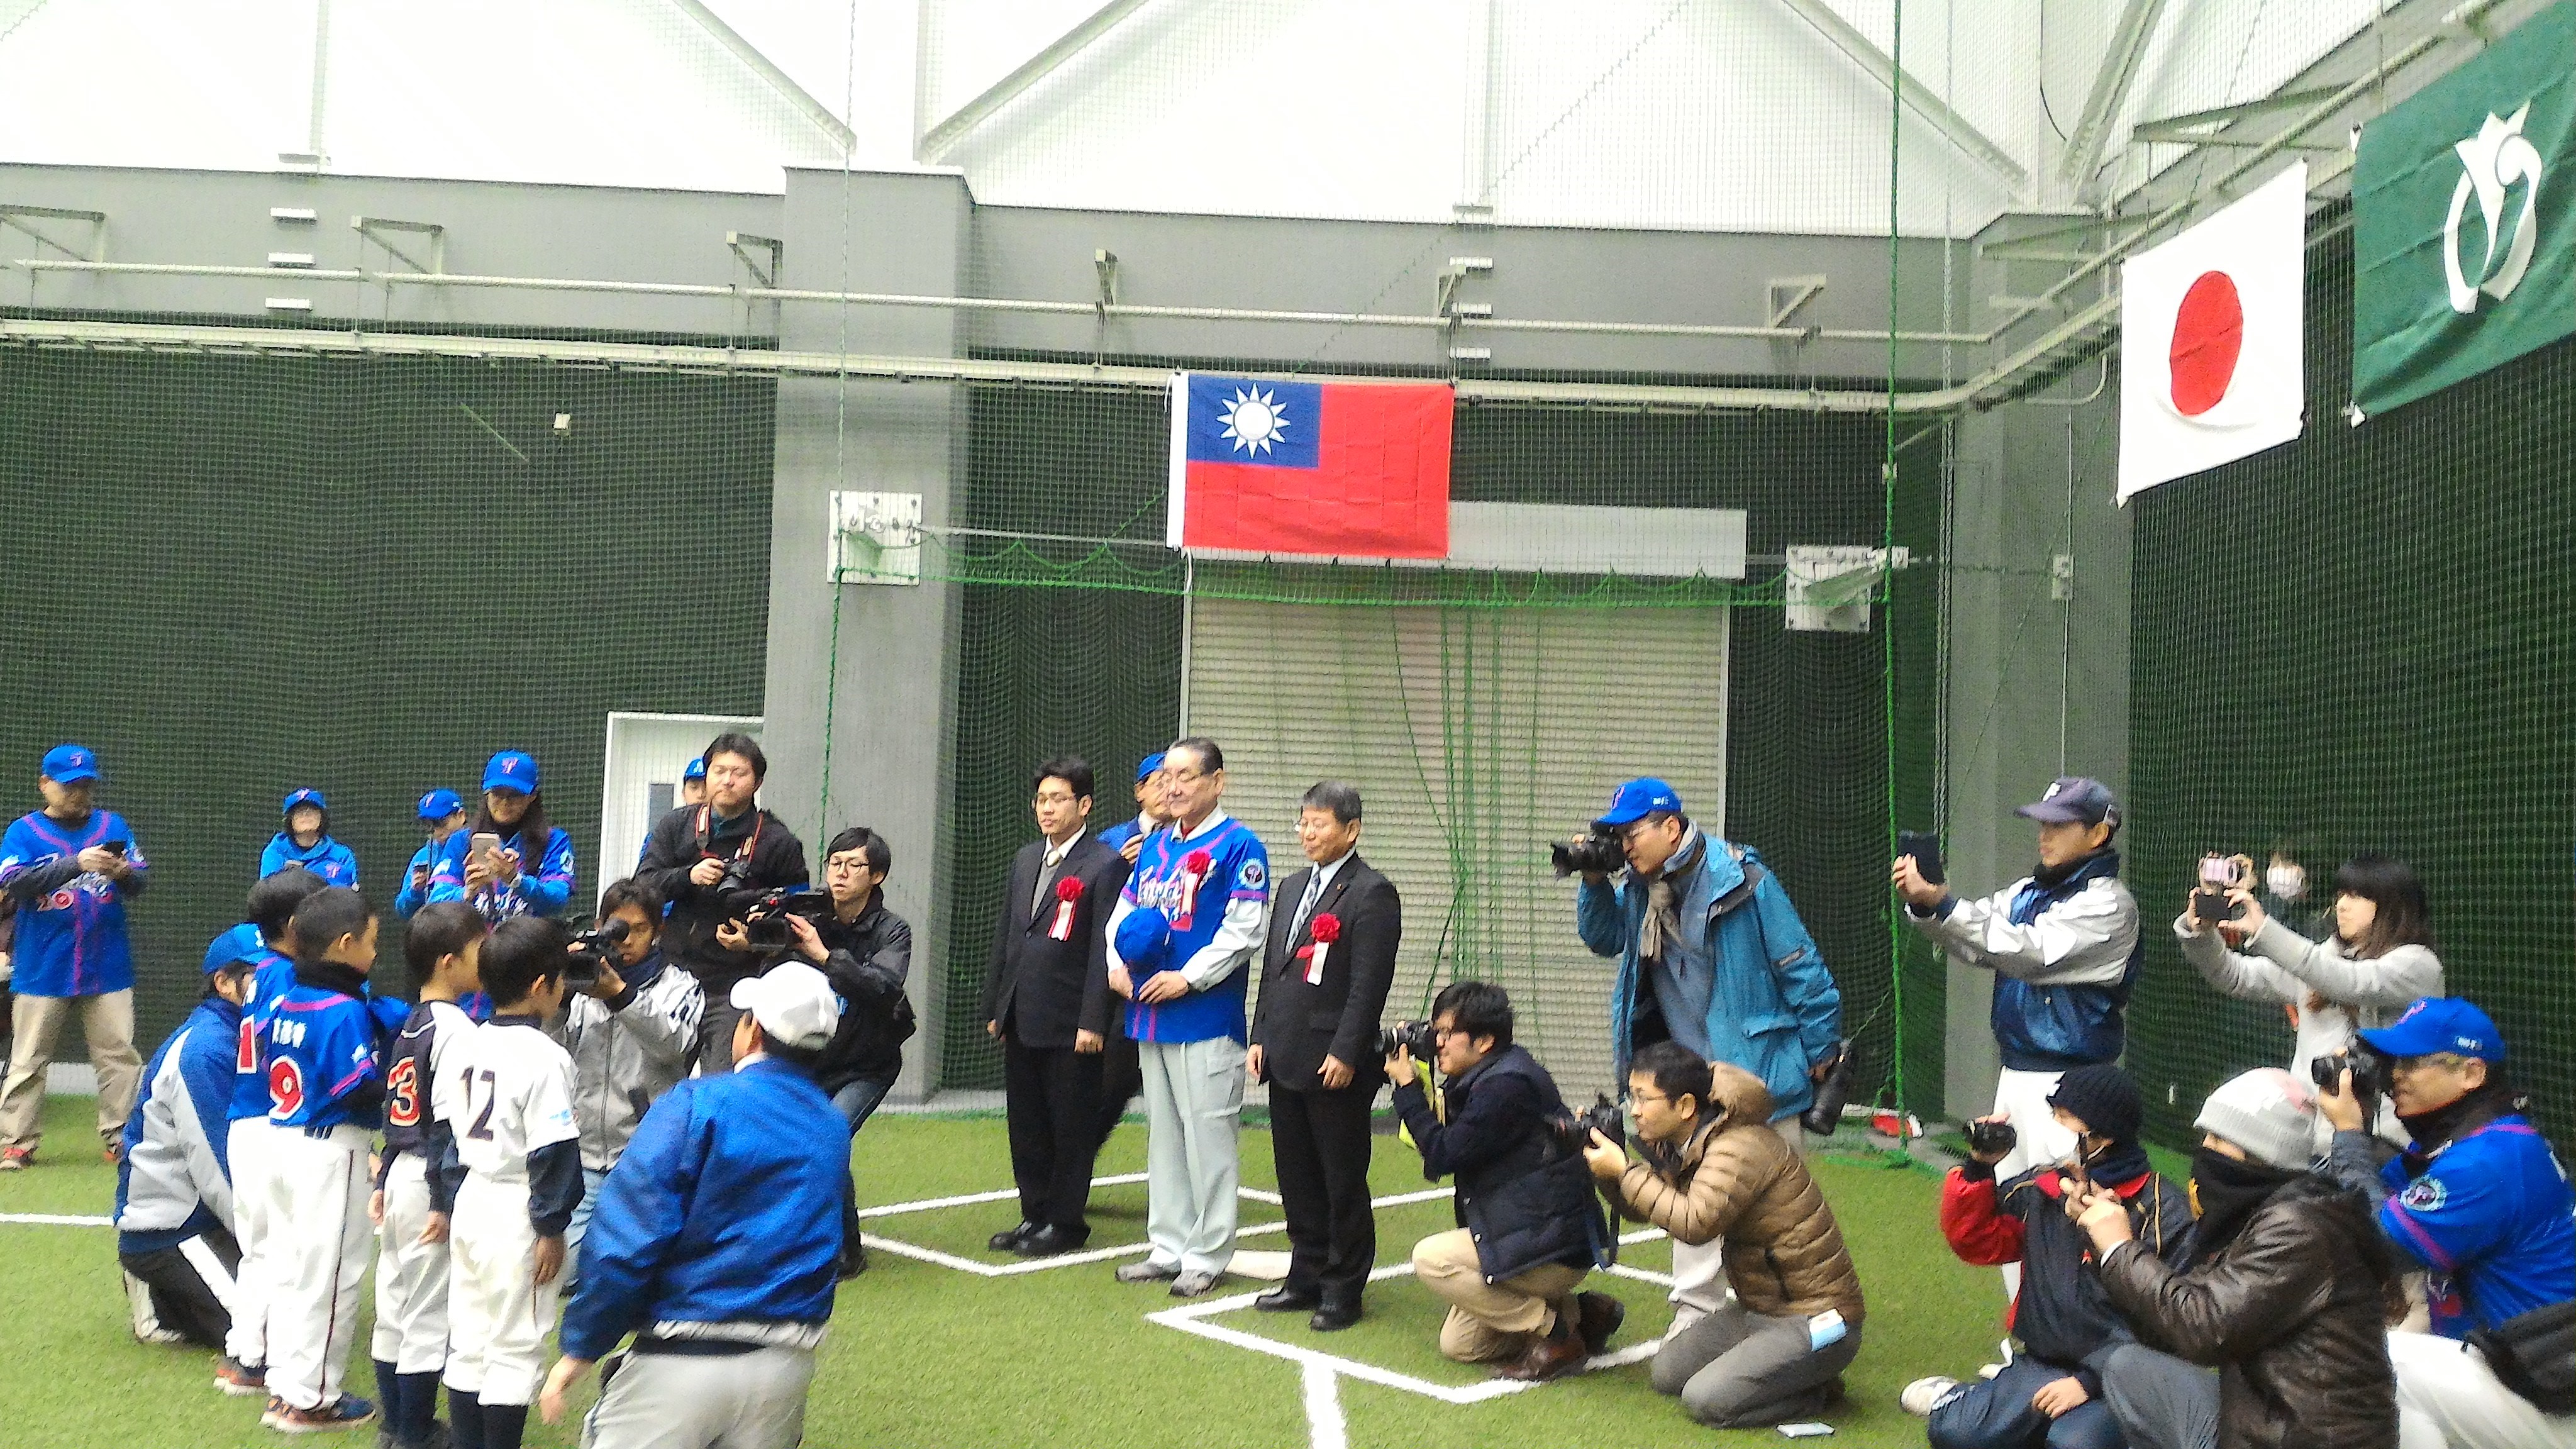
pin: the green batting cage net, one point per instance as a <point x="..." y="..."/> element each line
<point x="2362" y="641"/>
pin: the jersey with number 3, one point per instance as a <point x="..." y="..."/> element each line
<point x="428" y="1038"/>
<point x="319" y="1049"/>
<point x="505" y="1090"/>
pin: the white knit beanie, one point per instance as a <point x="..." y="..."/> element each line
<point x="2269" y="1113"/>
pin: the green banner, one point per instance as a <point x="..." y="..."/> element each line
<point x="2464" y="219"/>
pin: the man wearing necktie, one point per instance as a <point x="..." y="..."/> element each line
<point x="1325" y="972"/>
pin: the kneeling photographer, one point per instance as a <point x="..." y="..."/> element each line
<point x="1529" y="1226"/>
<point x="1713" y="1171"/>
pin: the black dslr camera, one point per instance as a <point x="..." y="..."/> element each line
<point x="2369" y="1073"/>
<point x="1996" y="1138"/>
<point x="764" y="913"/>
<point x="1826" y="1112"/>
<point x="1573" y="1131"/>
<point x="1416" y="1037"/>
<point x="590" y="951"/>
<point x="1597" y="853"/>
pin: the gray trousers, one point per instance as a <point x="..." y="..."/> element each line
<point x="1738" y="1369"/>
<point x="2160" y="1401"/>
<point x="1193" y="1103"/>
<point x="750" y="1400"/>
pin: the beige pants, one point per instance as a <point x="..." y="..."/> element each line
<point x="107" y="1022"/>
<point x="1489" y="1321"/>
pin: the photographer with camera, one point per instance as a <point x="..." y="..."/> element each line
<point x="2480" y="1202"/>
<point x="631" y="1025"/>
<point x="2063" y="943"/>
<point x="2378" y="960"/>
<point x="1529" y="1227"/>
<point x="1711" y="955"/>
<point x="710" y="862"/>
<point x="865" y="951"/>
<point x="2050" y="1395"/>
<point x="1710" y="1169"/>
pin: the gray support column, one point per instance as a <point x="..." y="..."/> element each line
<point x="883" y="681"/>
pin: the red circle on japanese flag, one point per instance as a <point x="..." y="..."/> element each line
<point x="2208" y="336"/>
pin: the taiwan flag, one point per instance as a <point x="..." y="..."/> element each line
<point x="1342" y="470"/>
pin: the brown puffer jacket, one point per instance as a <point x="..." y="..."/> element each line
<point x="2293" y="1315"/>
<point x="1739" y="1181"/>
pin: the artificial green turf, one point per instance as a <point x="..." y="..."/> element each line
<point x="923" y="1355"/>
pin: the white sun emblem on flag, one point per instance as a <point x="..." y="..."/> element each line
<point x="1254" y="421"/>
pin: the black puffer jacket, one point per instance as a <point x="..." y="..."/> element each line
<point x="2293" y="1314"/>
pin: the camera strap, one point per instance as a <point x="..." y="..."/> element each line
<point x="706" y="831"/>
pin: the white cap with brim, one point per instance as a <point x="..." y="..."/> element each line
<point x="793" y="1002"/>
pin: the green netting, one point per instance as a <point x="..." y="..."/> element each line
<point x="235" y="575"/>
<point x="1071" y="640"/>
<point x="2363" y="641"/>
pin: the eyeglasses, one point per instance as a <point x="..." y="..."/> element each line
<point x="1648" y="1097"/>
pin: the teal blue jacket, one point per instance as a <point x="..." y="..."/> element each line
<point x="1774" y="1010"/>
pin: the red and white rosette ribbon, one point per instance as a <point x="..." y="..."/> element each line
<point x="1326" y="929"/>
<point x="1067" y="892"/>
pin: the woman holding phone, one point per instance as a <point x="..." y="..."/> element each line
<point x="511" y="861"/>
<point x="2378" y="959"/>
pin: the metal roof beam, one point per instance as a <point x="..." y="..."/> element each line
<point x="2110" y="92"/>
<point x="1916" y="96"/>
<point x="946" y="136"/>
<point x="819" y="115"/>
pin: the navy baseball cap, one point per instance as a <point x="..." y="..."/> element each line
<point x="239" y="946"/>
<point x="695" y="770"/>
<point x="1146" y="767"/>
<point x="1638" y="799"/>
<point x="1143" y="939"/>
<point x="2439" y="1024"/>
<point x="512" y="770"/>
<point x="439" y="804"/>
<point x="71" y="764"/>
<point x="306" y="796"/>
<point x="2073" y="800"/>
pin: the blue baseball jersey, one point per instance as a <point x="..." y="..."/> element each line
<point x="71" y="922"/>
<point x="321" y="1049"/>
<point x="1194" y="882"/>
<point x="543" y="886"/>
<point x="2492" y="1217"/>
<point x="269" y="981"/>
<point x="1117" y="836"/>
<point x="416" y="885"/>
<point x="337" y="864"/>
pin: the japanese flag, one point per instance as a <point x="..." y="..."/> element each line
<point x="2210" y="327"/>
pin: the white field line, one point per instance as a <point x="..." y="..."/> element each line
<point x="932" y="1204"/>
<point x="1325" y="1427"/>
<point x="918" y="1253"/>
<point x="56" y="1220"/>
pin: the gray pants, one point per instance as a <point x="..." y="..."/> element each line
<point x="750" y="1400"/>
<point x="1193" y="1103"/>
<point x="2160" y="1401"/>
<point x="1738" y="1369"/>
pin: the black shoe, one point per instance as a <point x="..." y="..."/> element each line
<point x="1597" y="1316"/>
<point x="1050" y="1240"/>
<point x="1009" y="1240"/>
<point x="1334" y="1317"/>
<point x="1289" y="1300"/>
<point x="854" y="1261"/>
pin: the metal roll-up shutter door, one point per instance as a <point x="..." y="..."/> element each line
<point x="1475" y="736"/>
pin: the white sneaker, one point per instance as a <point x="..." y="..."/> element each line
<point x="1922" y="1396"/>
<point x="1990" y="1370"/>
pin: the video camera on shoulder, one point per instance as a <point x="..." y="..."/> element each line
<point x="591" y="951"/>
<point x="1573" y="1131"/>
<point x="764" y="912"/>
<point x="2220" y="874"/>
<point x="1599" y="852"/>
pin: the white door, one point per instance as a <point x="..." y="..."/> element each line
<point x="646" y="753"/>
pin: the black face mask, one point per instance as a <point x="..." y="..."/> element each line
<point x="2225" y="1193"/>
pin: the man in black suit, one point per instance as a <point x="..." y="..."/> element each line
<point x="1046" y="998"/>
<point x="1324" y="978"/>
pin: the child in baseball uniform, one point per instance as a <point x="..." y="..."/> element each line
<point x="443" y="946"/>
<point x="505" y="1091"/>
<point x="323" y="1042"/>
<point x="243" y="1370"/>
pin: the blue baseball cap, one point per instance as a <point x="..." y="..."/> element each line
<point x="696" y="769"/>
<point x="512" y="770"/>
<point x="305" y="796"/>
<point x="71" y="764"/>
<point x="1143" y="939"/>
<point x="2439" y="1024"/>
<point x="1638" y="799"/>
<point x="239" y="946"/>
<point x="2073" y="800"/>
<point x="439" y="804"/>
<point x="1146" y="767"/>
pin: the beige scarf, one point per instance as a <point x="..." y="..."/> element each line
<point x="1663" y="902"/>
